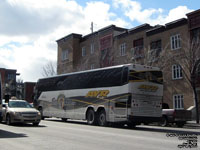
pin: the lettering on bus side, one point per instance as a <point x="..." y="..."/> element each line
<point x="100" y="93"/>
<point x="149" y="88"/>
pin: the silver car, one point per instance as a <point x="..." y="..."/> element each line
<point x="20" y="111"/>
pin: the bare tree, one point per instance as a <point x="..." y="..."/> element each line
<point x="190" y="64"/>
<point x="188" y="58"/>
<point x="20" y="80"/>
<point x="49" y="69"/>
<point x="20" y="88"/>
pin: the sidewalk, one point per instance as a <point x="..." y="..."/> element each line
<point x="192" y="124"/>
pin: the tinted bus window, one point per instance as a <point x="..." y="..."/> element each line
<point x="93" y="79"/>
<point x="152" y="76"/>
<point x="125" y="75"/>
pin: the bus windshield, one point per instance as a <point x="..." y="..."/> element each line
<point x="150" y="76"/>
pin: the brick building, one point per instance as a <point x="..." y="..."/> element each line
<point x="143" y="44"/>
<point x="29" y="91"/>
<point x="8" y="77"/>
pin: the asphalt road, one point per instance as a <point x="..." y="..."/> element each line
<point x="53" y="134"/>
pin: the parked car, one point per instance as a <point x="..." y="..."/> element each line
<point x="20" y="111"/>
<point x="179" y="117"/>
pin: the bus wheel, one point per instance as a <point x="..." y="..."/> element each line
<point x="131" y="125"/>
<point x="36" y="123"/>
<point x="91" y="117"/>
<point x="102" y="118"/>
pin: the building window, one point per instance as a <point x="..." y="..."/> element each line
<point x="138" y="48"/>
<point x="177" y="72"/>
<point x="175" y="42"/>
<point x="155" y="49"/>
<point x="92" y="66"/>
<point x="65" y="54"/>
<point x="195" y="34"/>
<point x="92" y="48"/>
<point x="178" y="101"/>
<point x="83" y="51"/>
<point x="11" y="76"/>
<point x="105" y="46"/>
<point x="123" y="49"/>
<point x="198" y="70"/>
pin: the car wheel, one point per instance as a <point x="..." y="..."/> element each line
<point x="8" y="120"/>
<point x="164" y="121"/>
<point x="102" y="118"/>
<point x="91" y="118"/>
<point x="1" y="118"/>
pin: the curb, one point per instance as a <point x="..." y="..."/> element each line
<point x="192" y="124"/>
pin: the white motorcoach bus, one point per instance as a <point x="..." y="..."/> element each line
<point x="129" y="94"/>
<point x="1" y="115"/>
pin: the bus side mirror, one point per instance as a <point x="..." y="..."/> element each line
<point x="4" y="105"/>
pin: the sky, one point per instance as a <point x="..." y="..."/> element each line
<point x="29" y="28"/>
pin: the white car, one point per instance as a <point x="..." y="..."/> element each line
<point x="20" y="111"/>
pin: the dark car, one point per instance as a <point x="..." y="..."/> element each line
<point x="179" y="117"/>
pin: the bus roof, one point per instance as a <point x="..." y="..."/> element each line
<point x="138" y="67"/>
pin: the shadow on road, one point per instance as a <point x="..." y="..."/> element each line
<point x="26" y="125"/>
<point x="68" y="121"/>
<point x="166" y="130"/>
<point x="140" y="127"/>
<point x="7" y="134"/>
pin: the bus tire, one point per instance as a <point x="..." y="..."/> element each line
<point x="36" y="123"/>
<point x="64" y="119"/>
<point x="131" y="125"/>
<point x="102" y="118"/>
<point x="91" y="118"/>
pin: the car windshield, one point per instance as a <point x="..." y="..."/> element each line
<point x="19" y="104"/>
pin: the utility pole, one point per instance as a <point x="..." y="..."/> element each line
<point x="91" y="28"/>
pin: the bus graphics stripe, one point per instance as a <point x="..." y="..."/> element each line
<point x="82" y="101"/>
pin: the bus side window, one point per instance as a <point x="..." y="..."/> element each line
<point x="123" y="102"/>
<point x="129" y="101"/>
<point x="125" y="75"/>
